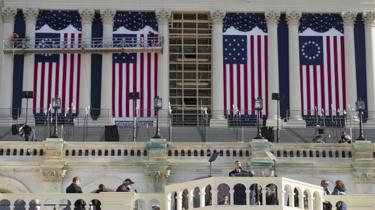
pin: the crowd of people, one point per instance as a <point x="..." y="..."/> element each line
<point x="239" y="199"/>
<point x="271" y="191"/>
<point x="339" y="189"/>
<point x="75" y="187"/>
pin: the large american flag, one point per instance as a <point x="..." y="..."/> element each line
<point x="134" y="72"/>
<point x="322" y="65"/>
<point x="57" y="74"/>
<point x="245" y="68"/>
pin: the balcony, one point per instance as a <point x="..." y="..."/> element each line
<point x="207" y="193"/>
<point x="95" y="45"/>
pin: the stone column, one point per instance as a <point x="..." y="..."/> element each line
<point x="163" y="17"/>
<point x="218" y="119"/>
<point x="369" y="19"/>
<point x="87" y="16"/>
<point x="28" y="69"/>
<point x="294" y="72"/>
<point x="272" y="19"/>
<point x="6" y="70"/>
<point x="350" y="68"/>
<point x="106" y="91"/>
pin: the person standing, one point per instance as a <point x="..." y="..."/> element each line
<point x="126" y="186"/>
<point x="238" y="171"/>
<point x="326" y="204"/>
<point x="75" y="187"/>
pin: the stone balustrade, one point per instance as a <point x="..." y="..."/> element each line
<point x="178" y="150"/>
<point x="298" y="150"/>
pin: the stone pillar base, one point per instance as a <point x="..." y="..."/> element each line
<point x="273" y="122"/>
<point x="294" y="123"/>
<point x="219" y="123"/>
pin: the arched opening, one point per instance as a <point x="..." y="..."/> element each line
<point x="271" y="195"/>
<point x="239" y="194"/>
<point x="208" y="196"/>
<point x="255" y="194"/>
<point x="185" y="199"/>
<point x="155" y="204"/>
<point x="4" y="205"/>
<point x="139" y="204"/>
<point x="34" y="204"/>
<point x="196" y="197"/>
<point x="173" y="201"/>
<point x="79" y="204"/>
<point x="19" y="205"/>
<point x="95" y="204"/>
<point x="223" y="195"/>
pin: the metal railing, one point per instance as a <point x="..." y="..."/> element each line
<point x="89" y="124"/>
<point x="56" y="45"/>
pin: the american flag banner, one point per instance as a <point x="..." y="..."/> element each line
<point x="322" y="65"/>
<point x="245" y="43"/>
<point x="57" y="74"/>
<point x="134" y="72"/>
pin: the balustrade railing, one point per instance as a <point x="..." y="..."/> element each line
<point x="40" y="45"/>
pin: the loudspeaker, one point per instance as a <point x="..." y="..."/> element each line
<point x="111" y="133"/>
<point x="27" y="94"/>
<point x="275" y="96"/>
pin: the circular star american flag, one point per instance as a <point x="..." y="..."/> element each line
<point x="311" y="50"/>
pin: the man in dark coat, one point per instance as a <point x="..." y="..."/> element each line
<point x="238" y="171"/>
<point x="126" y="186"/>
<point x="75" y="187"/>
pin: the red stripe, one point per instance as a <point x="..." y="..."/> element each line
<point x="134" y="87"/>
<point x="329" y="75"/>
<point x="252" y="75"/>
<point x="127" y="89"/>
<point x="49" y="94"/>
<point x="231" y="88"/>
<point x="245" y="91"/>
<point x="42" y="83"/>
<point x="301" y="88"/>
<point x="71" y="85"/>
<point x="336" y="73"/>
<point x="322" y="87"/>
<point x="120" y="88"/>
<point x="343" y="71"/>
<point x="266" y="70"/>
<point x="156" y="75"/>
<point x="57" y="79"/>
<point x="113" y="90"/>
<point x="35" y="85"/>
<point x="225" y="89"/>
<point x="308" y="90"/>
<point x="239" y="87"/>
<point x="315" y="89"/>
<point x="149" y="85"/>
<point x="79" y="75"/>
<point x="142" y="83"/>
<point x="259" y="81"/>
<point x="65" y="57"/>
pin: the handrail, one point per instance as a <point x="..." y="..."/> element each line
<point x="56" y="45"/>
